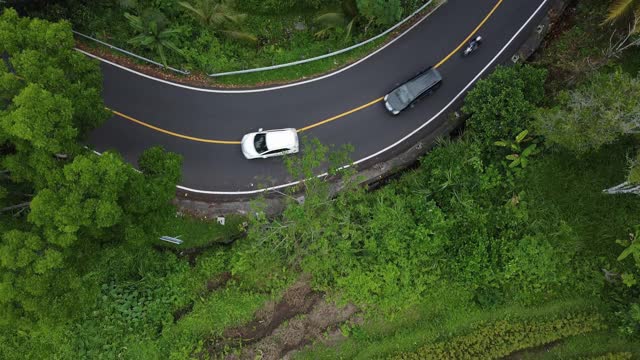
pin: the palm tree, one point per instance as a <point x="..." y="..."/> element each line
<point x="153" y="33"/>
<point x="218" y="16"/>
<point x="621" y="9"/>
<point x="346" y="18"/>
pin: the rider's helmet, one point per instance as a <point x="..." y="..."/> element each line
<point x="479" y="38"/>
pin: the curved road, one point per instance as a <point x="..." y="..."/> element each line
<point x="203" y="116"/>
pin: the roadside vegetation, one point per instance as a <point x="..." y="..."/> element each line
<point x="500" y="243"/>
<point x="212" y="36"/>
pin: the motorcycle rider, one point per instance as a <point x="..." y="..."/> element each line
<point x="474" y="43"/>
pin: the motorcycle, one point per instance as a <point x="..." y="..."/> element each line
<point x="473" y="46"/>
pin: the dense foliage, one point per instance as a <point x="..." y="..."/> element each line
<point x="495" y="243"/>
<point x="596" y="113"/>
<point x="77" y="201"/>
<point x="500" y="107"/>
<point x="216" y="36"/>
<point x="497" y="340"/>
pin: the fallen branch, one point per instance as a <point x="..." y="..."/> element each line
<point x="630" y="39"/>
<point x="14" y="207"/>
<point x="624" y="188"/>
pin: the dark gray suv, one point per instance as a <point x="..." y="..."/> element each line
<point x="424" y="83"/>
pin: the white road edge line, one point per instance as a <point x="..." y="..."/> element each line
<point x="247" y="91"/>
<point x="397" y="142"/>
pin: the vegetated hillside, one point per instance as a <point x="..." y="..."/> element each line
<point x="500" y="243"/>
<point x="207" y="36"/>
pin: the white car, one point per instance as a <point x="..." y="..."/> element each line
<point x="269" y="143"/>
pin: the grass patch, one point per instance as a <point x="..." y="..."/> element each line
<point x="210" y="316"/>
<point x="301" y="71"/>
<point x="155" y="304"/>
<point x="444" y="316"/>
<point x="559" y="185"/>
<point x="199" y="233"/>
<point x="588" y="345"/>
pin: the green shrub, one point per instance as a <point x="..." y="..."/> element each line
<point x="614" y="356"/>
<point x="599" y="112"/>
<point x="499" y="339"/>
<point x="279" y="6"/>
<point x="125" y="313"/>
<point x="501" y="105"/>
<point x="381" y="12"/>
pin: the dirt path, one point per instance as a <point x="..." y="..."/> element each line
<point x="280" y="329"/>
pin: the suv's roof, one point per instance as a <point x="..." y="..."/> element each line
<point x="423" y="81"/>
<point x="405" y="94"/>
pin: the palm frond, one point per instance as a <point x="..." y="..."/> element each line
<point x="128" y="4"/>
<point x="140" y="40"/>
<point x="194" y="11"/>
<point x="236" y="18"/>
<point x="170" y="45"/>
<point x="134" y="21"/>
<point x="322" y="33"/>
<point x="163" y="58"/>
<point x="241" y="36"/>
<point x="170" y="32"/>
<point x="213" y="14"/>
<point x="349" y="29"/>
<point x="331" y="19"/>
<point x="620" y="9"/>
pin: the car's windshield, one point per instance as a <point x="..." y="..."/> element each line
<point x="260" y="143"/>
<point x="403" y="95"/>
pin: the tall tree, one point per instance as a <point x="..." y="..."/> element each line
<point x="594" y="114"/>
<point x="218" y="16"/>
<point x="500" y="105"/>
<point x="43" y="53"/>
<point x="381" y="12"/>
<point x="154" y="33"/>
<point x="50" y="97"/>
<point x="345" y="18"/>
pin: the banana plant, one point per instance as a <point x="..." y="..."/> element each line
<point x="520" y="154"/>
<point x="623" y="9"/>
<point x="632" y="248"/>
<point x="219" y="16"/>
<point x="344" y="18"/>
<point x="153" y="33"/>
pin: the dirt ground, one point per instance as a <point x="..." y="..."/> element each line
<point x="280" y="329"/>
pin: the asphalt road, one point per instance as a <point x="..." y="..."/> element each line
<point x="221" y="168"/>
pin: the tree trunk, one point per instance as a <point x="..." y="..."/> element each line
<point x="13" y="207"/>
<point x="624" y="188"/>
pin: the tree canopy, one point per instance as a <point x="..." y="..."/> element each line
<point x="594" y="114"/>
<point x="50" y="98"/>
<point x="500" y="106"/>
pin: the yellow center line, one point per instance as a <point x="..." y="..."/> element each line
<point x="333" y="118"/>
<point x="340" y="115"/>
<point x="173" y="133"/>
<point x="463" y="43"/>
<point x="466" y="40"/>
